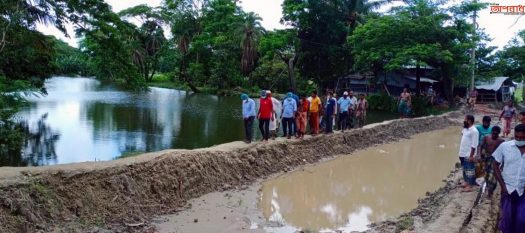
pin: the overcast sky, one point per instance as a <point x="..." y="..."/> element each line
<point x="498" y="26"/>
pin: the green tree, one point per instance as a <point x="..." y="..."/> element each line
<point x="112" y="46"/>
<point x="70" y="60"/>
<point x="322" y="28"/>
<point x="149" y="38"/>
<point x="420" y="33"/>
<point x="281" y="44"/>
<point x="27" y="57"/>
<point x="512" y="58"/>
<point x="251" y="31"/>
<point x="185" y="21"/>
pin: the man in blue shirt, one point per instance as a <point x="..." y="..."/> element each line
<point x="296" y="98"/>
<point x="288" y="115"/>
<point x="344" y="105"/>
<point x="248" y="114"/>
<point x="330" y="112"/>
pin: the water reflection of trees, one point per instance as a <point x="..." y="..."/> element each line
<point x="208" y="120"/>
<point x="133" y="128"/>
<point x="36" y="144"/>
<point x="167" y="120"/>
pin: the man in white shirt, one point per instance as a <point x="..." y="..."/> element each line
<point x="509" y="170"/>
<point x="248" y="114"/>
<point x="277" y="107"/>
<point x="467" y="149"/>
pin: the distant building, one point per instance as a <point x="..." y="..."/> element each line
<point x="394" y="81"/>
<point x="499" y="89"/>
<point x="359" y="83"/>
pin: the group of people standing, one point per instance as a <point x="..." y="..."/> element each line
<point x="483" y="153"/>
<point x="296" y="113"/>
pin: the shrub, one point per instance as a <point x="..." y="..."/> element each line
<point x="382" y="102"/>
<point x="420" y="105"/>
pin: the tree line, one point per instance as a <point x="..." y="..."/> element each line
<point x="215" y="43"/>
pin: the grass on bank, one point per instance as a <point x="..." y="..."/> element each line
<point x="164" y="81"/>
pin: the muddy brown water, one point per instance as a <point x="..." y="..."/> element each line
<point x="345" y="194"/>
<point x="372" y="185"/>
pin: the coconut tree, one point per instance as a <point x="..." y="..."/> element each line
<point x="148" y="38"/>
<point x="251" y="31"/>
<point x="184" y="19"/>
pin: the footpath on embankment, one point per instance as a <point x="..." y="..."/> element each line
<point x="125" y="195"/>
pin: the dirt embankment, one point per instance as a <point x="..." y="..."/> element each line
<point x="124" y="195"/>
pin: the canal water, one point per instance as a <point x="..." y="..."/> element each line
<point x="82" y="119"/>
<point x="350" y="192"/>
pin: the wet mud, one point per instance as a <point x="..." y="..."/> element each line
<point x="371" y="185"/>
<point x="125" y="195"/>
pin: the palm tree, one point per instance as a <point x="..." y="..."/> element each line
<point x="147" y="40"/>
<point x="184" y="28"/>
<point x="27" y="13"/>
<point x="251" y="31"/>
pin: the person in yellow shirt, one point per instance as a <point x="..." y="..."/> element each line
<point x="315" y="106"/>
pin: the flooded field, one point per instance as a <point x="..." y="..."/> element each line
<point x="344" y="194"/>
<point x="353" y="191"/>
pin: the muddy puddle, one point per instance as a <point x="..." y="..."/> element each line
<point x="353" y="191"/>
<point x="342" y="195"/>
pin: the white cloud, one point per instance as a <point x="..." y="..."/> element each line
<point x="268" y="10"/>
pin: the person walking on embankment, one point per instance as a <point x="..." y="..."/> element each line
<point x="302" y="117"/>
<point x="488" y="145"/>
<point x="296" y="98"/>
<point x="344" y="105"/>
<point x="352" y="109"/>
<point x="276" y="120"/>
<point x="508" y="113"/>
<point x="315" y="107"/>
<point x="509" y="170"/>
<point x="330" y="111"/>
<point x="265" y="115"/>
<point x="248" y="114"/>
<point x="467" y="151"/>
<point x="472" y="98"/>
<point x="404" y="103"/>
<point x="360" y="112"/>
<point x="484" y="128"/>
<point x="288" y="113"/>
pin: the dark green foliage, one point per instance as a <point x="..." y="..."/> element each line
<point x="382" y="102"/>
<point x="71" y="61"/>
<point x="420" y="33"/>
<point x="29" y="57"/>
<point x="322" y="32"/>
<point x="420" y="105"/>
